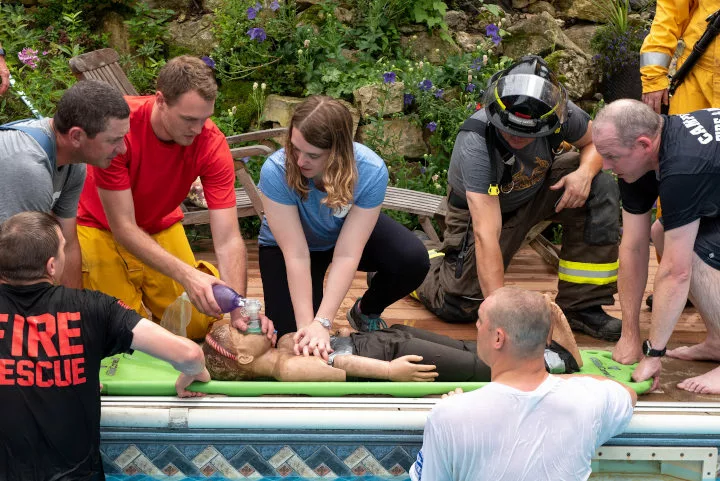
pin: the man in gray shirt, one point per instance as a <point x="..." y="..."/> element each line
<point x="42" y="160"/>
<point x="506" y="174"/>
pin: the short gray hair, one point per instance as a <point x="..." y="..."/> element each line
<point x="524" y="316"/>
<point x="631" y="119"/>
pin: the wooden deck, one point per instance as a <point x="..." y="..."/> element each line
<point x="527" y="270"/>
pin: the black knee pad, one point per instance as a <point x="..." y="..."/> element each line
<point x="602" y="225"/>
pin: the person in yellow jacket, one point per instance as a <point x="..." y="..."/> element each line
<point x="674" y="20"/>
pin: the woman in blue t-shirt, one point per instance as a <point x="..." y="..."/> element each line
<point x="322" y="195"/>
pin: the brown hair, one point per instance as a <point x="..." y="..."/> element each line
<point x="27" y="241"/>
<point x="89" y="104"/>
<point x="326" y="124"/>
<point x="184" y="74"/>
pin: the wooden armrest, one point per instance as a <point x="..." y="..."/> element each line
<point x="257" y="135"/>
<point x="250" y="150"/>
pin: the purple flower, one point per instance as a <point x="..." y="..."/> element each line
<point x="470" y="87"/>
<point x="257" y="33"/>
<point x="29" y="57"/>
<point x="431" y="126"/>
<point x="477" y="64"/>
<point x="423" y="169"/>
<point x="425" y="85"/>
<point x="493" y="32"/>
<point x="245" y="160"/>
<point x="439" y="93"/>
<point x="208" y="61"/>
<point x="408" y="99"/>
<point x="274" y="5"/>
<point x="251" y="13"/>
<point x="389" y="77"/>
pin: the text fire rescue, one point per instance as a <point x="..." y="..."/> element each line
<point x="56" y="338"/>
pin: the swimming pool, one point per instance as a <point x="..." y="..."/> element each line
<point x="351" y="437"/>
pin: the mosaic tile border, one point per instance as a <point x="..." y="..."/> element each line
<point x="254" y="461"/>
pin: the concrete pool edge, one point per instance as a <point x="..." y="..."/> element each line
<point x="243" y="438"/>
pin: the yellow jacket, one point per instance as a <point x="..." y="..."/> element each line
<point x="676" y="19"/>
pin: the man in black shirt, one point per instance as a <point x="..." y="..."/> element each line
<point x="52" y="339"/>
<point x="677" y="157"/>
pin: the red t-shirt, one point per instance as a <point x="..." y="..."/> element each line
<point x="160" y="174"/>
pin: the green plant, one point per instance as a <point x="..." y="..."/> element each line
<point x="617" y="43"/>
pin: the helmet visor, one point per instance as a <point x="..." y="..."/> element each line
<point x="511" y="93"/>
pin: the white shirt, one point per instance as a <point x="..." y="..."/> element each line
<point x="500" y="433"/>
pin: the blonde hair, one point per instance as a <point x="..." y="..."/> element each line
<point x="326" y="124"/>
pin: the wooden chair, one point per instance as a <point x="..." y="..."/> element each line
<point x="104" y="65"/>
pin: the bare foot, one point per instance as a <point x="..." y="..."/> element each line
<point x="699" y="352"/>
<point x="708" y="383"/>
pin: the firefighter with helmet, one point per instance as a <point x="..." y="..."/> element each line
<point x="507" y="173"/>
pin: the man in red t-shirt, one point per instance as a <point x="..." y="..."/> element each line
<point x="129" y="221"/>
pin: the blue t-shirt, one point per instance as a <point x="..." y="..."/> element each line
<point x="320" y="223"/>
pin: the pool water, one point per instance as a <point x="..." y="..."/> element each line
<point x="145" y="477"/>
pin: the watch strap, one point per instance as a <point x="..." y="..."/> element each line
<point x="650" y="352"/>
<point x="324" y="322"/>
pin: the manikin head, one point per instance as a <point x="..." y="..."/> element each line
<point x="231" y="354"/>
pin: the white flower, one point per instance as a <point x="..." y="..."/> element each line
<point x="469" y="78"/>
<point x="435" y="177"/>
<point x="300" y="52"/>
<point x="485" y="59"/>
<point x="263" y="86"/>
<point x="414" y="37"/>
<point x="438" y="186"/>
<point x="437" y="50"/>
<point x="410" y="69"/>
<point x="233" y="110"/>
<point x="255" y="86"/>
<point x="306" y="43"/>
<point x="421" y="65"/>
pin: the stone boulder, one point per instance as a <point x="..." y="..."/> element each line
<point x="431" y="47"/>
<point x="468" y="42"/>
<point x="582" y="10"/>
<point x="576" y="72"/>
<point x="369" y="97"/>
<point x="194" y="34"/>
<point x="178" y="6"/>
<point x="541" y="6"/>
<point x="456" y="20"/>
<point x="536" y="34"/>
<point x="118" y="38"/>
<point x="279" y="110"/>
<point x="581" y="35"/>
<point x="400" y="137"/>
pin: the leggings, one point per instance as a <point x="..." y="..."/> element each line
<point x="397" y="256"/>
<point x="455" y="361"/>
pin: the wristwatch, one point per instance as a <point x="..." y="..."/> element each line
<point x="324" y="322"/>
<point x="650" y="352"/>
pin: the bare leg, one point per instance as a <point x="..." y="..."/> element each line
<point x="657" y="234"/>
<point x="705" y="294"/>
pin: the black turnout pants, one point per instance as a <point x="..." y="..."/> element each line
<point x="455" y="361"/>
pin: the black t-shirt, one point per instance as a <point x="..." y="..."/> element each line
<point x="51" y="342"/>
<point x="689" y="178"/>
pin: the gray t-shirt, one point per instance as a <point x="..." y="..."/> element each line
<point x="31" y="181"/>
<point x="470" y="166"/>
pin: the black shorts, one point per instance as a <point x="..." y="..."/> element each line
<point x="707" y="242"/>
